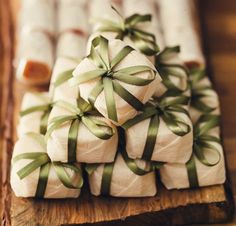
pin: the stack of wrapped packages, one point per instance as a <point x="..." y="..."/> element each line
<point x="127" y="112"/>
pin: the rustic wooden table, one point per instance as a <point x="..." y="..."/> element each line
<point x="219" y="31"/>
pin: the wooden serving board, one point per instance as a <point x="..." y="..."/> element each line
<point x="204" y="205"/>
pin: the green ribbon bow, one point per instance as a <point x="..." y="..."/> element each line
<point x="131" y="164"/>
<point x="199" y="92"/>
<point x="203" y="142"/>
<point x="42" y="161"/>
<point x="129" y="27"/>
<point x="164" y="109"/>
<point x="109" y="77"/>
<point x="46" y="109"/>
<point x="168" y="70"/>
<point x="82" y="113"/>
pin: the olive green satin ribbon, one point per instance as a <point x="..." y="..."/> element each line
<point x="46" y="109"/>
<point x="63" y="77"/>
<point x="199" y="91"/>
<point x="129" y="27"/>
<point x="131" y="164"/>
<point x="165" y="110"/>
<point x="82" y="113"/>
<point x="203" y="142"/>
<point x="42" y="161"/>
<point x="109" y="78"/>
<point x="168" y="70"/>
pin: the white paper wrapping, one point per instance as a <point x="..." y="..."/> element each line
<point x="37" y="15"/>
<point x="35" y="58"/>
<point x="174" y="176"/>
<point x="72" y="16"/>
<point x="31" y="122"/>
<point x="211" y="99"/>
<point x="103" y="10"/>
<point x="27" y="186"/>
<point x="143" y="93"/>
<point x="180" y="28"/>
<point x="124" y="182"/>
<point x="64" y="91"/>
<point x="71" y="45"/>
<point x="168" y="148"/>
<point x="90" y="149"/>
<point x="131" y="7"/>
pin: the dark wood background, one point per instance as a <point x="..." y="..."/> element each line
<point x="218" y="18"/>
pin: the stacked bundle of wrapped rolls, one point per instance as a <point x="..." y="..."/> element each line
<point x="137" y="104"/>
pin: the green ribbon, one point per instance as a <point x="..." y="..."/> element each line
<point x="82" y="113"/>
<point x="168" y="70"/>
<point x="109" y="79"/>
<point x="203" y="142"/>
<point x="199" y="92"/>
<point x="131" y="164"/>
<point x="42" y="161"/>
<point x="129" y="27"/>
<point x="63" y="77"/>
<point x="46" y="109"/>
<point x="164" y="109"/>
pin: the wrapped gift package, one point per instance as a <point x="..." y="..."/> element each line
<point x="72" y="29"/>
<point x="104" y="10"/>
<point x="35" y="110"/>
<point x="180" y="28"/>
<point x="72" y="16"/>
<point x="26" y="184"/>
<point x="71" y="45"/>
<point x="88" y="148"/>
<point x="142" y="93"/>
<point x="35" y="48"/>
<point x="124" y="182"/>
<point x="60" y="88"/>
<point x="37" y="15"/>
<point x="167" y="146"/>
<point x="131" y="7"/>
<point x="35" y="57"/>
<point x="176" y="175"/>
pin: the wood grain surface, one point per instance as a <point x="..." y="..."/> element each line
<point x="205" y="205"/>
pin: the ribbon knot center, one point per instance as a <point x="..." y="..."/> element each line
<point x="109" y="74"/>
<point x="160" y="110"/>
<point x="80" y="115"/>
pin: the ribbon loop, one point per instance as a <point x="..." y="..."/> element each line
<point x="129" y="27"/>
<point x="203" y="141"/>
<point x="168" y="70"/>
<point x="199" y="91"/>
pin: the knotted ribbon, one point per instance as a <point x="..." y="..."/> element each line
<point x="46" y="109"/>
<point x="129" y="27"/>
<point x="168" y="70"/>
<point x="42" y="161"/>
<point x="199" y="91"/>
<point x="109" y="78"/>
<point x="131" y="164"/>
<point x="82" y="113"/>
<point x="203" y="142"/>
<point x="164" y="109"/>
